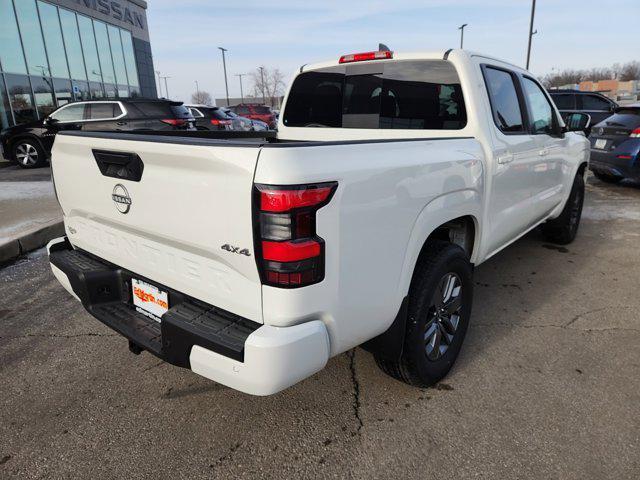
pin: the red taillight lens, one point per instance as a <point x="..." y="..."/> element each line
<point x="215" y="121"/>
<point x="635" y="133"/>
<point x="279" y="199"/>
<point x="290" y="254"/>
<point x="176" y="122"/>
<point x="361" y="57"/>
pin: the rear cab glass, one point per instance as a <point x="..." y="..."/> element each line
<point x="403" y="94"/>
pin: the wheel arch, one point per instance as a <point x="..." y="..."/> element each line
<point x="24" y="136"/>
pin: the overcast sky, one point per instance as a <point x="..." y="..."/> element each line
<point x="285" y="34"/>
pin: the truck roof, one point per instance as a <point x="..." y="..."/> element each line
<point x="424" y="55"/>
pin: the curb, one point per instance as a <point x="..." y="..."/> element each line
<point x="30" y="241"/>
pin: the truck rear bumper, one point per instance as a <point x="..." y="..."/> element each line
<point x="244" y="355"/>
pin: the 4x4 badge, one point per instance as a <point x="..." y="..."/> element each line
<point x="232" y="249"/>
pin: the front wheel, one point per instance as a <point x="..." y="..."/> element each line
<point x="563" y="230"/>
<point x="439" y="309"/>
<point x="28" y="154"/>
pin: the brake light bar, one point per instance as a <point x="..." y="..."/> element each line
<point x="362" y="57"/>
<point x="635" y="133"/>
<point x="289" y="253"/>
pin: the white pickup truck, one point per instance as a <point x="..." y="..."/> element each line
<point x="252" y="261"/>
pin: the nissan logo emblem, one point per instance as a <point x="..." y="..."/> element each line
<point x="121" y="198"/>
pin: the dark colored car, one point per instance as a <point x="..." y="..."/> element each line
<point x="29" y="144"/>
<point x="210" y="118"/>
<point x="256" y="111"/>
<point x="597" y="106"/>
<point x="615" y="145"/>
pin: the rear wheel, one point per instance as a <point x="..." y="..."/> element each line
<point x="28" y="153"/>
<point x="439" y="309"/>
<point x="606" y="177"/>
<point x="563" y="230"/>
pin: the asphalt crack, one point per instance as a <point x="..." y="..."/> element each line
<point x="561" y="327"/>
<point x="356" y="390"/>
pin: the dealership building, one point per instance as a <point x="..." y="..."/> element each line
<point x="56" y="51"/>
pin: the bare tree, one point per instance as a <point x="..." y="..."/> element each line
<point x="268" y="84"/>
<point x="630" y="71"/>
<point x="201" y="98"/>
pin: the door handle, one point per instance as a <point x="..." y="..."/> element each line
<point x="120" y="124"/>
<point x="505" y="158"/>
<point x="544" y="152"/>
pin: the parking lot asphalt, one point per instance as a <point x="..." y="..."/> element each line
<point x="547" y="384"/>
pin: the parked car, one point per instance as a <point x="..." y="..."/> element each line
<point x="255" y="111"/>
<point x="29" y="144"/>
<point x="245" y="124"/>
<point x="210" y="118"/>
<point x="596" y="105"/>
<point x="256" y="266"/>
<point x="615" y="145"/>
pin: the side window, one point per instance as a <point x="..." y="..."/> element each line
<point x="196" y="113"/>
<point x="540" y="109"/>
<point x="104" y="111"/>
<point x="564" y="101"/>
<point x="243" y="111"/>
<point x="593" y="102"/>
<point x="504" y="100"/>
<point x="72" y="113"/>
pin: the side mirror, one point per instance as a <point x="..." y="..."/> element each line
<point x="50" y="121"/>
<point x="578" y="122"/>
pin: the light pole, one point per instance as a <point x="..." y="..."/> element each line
<point x="159" y="83"/>
<point x="240" y="75"/>
<point x="166" y="87"/>
<point x="224" y="66"/>
<point x="461" y="28"/>
<point x="531" y="32"/>
<point x="264" y="98"/>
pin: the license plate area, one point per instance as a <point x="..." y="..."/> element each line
<point x="601" y="144"/>
<point x="148" y="299"/>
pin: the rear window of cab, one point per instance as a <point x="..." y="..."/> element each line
<point x="409" y="94"/>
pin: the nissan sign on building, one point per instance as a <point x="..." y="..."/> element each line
<point x="56" y="51"/>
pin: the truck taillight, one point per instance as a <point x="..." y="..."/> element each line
<point x="289" y="252"/>
<point x="635" y="133"/>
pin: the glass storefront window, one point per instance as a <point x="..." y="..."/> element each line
<point x="72" y="44"/>
<point x="20" y="98"/>
<point x="53" y="39"/>
<point x="96" y="90"/>
<point x="117" y="55"/>
<point x="89" y="48"/>
<point x="110" y="90"/>
<point x="63" y="92"/>
<point x="80" y="90"/>
<point x="32" y="37"/>
<point x="5" y="111"/>
<point x="104" y="52"/>
<point x="129" y="58"/>
<point x="134" y="92"/>
<point x="43" y="95"/>
<point x="11" y="55"/>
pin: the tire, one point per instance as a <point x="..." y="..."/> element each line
<point x="28" y="153"/>
<point x="439" y="273"/>
<point x="563" y="230"/>
<point x="606" y="177"/>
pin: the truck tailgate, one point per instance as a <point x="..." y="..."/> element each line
<point x="170" y="226"/>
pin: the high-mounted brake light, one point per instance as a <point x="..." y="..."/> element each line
<point x="635" y="133"/>
<point x="289" y="252"/>
<point x="361" y="57"/>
